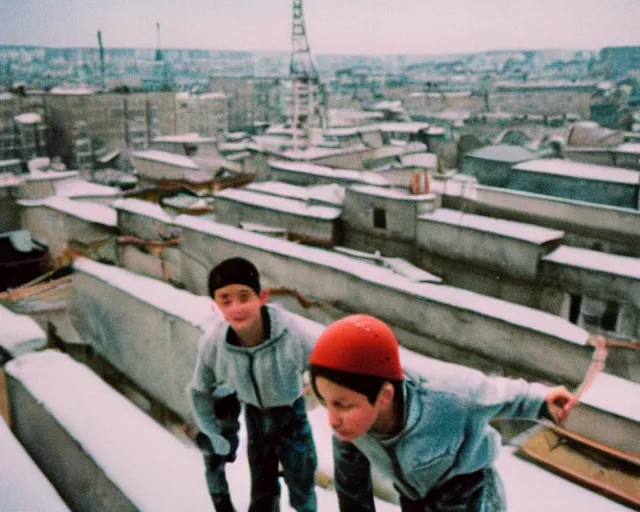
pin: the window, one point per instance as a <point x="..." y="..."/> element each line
<point x="574" y="308"/>
<point x="379" y="218"/>
<point x="610" y="317"/>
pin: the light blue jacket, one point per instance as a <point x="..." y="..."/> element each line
<point x="446" y="431"/>
<point x="268" y="375"/>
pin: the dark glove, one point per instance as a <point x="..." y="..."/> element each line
<point x="227" y="408"/>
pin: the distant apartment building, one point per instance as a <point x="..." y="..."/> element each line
<point x="205" y="114"/>
<point x="617" y="61"/>
<point x="250" y="99"/>
<point x="542" y="98"/>
<point x="23" y="130"/>
<point x="85" y="125"/>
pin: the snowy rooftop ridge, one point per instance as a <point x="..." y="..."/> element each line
<point x="596" y="261"/>
<point x="365" y="177"/>
<point x="507" y="228"/>
<point x="488" y="306"/>
<point x="580" y="170"/>
<point x="92" y="212"/>
<point x="281" y="204"/>
<point x="195" y="309"/>
<point x="20" y="333"/>
<point x="144" y="208"/>
<point x="167" y="158"/>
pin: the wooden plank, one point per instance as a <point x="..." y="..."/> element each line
<point x="4" y="399"/>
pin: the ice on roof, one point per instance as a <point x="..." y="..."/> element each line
<point x="580" y="170"/>
<point x="166" y="158"/>
<point x="329" y="172"/>
<point x="20" y="333"/>
<point x="281" y="204"/>
<point x="144" y="208"/>
<point x="508" y="312"/>
<point x="138" y="455"/>
<point x="77" y="187"/>
<point x="508" y="228"/>
<point x="23" y="487"/>
<point x="195" y="309"/>
<point x="596" y="261"/>
<point x="92" y="212"/>
<point x="391" y="193"/>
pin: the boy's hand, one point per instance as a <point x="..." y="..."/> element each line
<point x="560" y="401"/>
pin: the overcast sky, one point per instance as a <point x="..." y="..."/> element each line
<point x="333" y="26"/>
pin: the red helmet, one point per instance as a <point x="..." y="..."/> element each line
<point x="359" y="344"/>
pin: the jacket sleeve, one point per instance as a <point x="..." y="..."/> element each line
<point x="200" y="394"/>
<point x="352" y="478"/>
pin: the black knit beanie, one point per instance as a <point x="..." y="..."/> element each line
<point x="234" y="271"/>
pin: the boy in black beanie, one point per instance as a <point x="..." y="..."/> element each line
<point x="262" y="354"/>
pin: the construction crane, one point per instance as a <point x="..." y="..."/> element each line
<point x="308" y="94"/>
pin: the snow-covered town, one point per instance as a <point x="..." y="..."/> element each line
<point x="486" y="208"/>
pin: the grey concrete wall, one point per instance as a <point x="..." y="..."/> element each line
<point x="614" y="194"/>
<point x="139" y="340"/>
<point x="142" y="226"/>
<point x="325" y="232"/>
<point x="10" y="216"/>
<point x="465" y="329"/>
<point x="357" y="215"/>
<point x="367" y="242"/>
<point x="508" y="256"/>
<point x="583" y="223"/>
<point x="75" y="475"/>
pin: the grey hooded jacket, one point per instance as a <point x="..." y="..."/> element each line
<point x="446" y="430"/>
<point x="268" y="375"/>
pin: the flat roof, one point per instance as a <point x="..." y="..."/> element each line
<point x="329" y="172"/>
<point x="333" y="194"/>
<point x="166" y="158"/>
<point x="502" y="153"/>
<point x="391" y="193"/>
<point x="184" y="138"/>
<point x="144" y="208"/>
<point x="580" y="170"/>
<point x="596" y="261"/>
<point x="628" y="147"/>
<point x="281" y="204"/>
<point x="507" y="228"/>
<point x="92" y="212"/>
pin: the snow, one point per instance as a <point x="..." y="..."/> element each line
<point x="77" y="187"/>
<point x="144" y="208"/>
<point x="329" y="172"/>
<point x="332" y="194"/>
<point x="594" y="260"/>
<point x="23" y="487"/>
<point x="92" y="212"/>
<point x="507" y="228"/>
<point x="146" y="461"/>
<point x="580" y="170"/>
<point x="28" y="118"/>
<point x="280" y="204"/>
<point x="20" y="333"/>
<point x="457" y="298"/>
<point x="166" y="158"/>
<point x="8" y="180"/>
<point x="195" y="309"/>
<point x="391" y="193"/>
<point x="184" y="138"/>
<point x="628" y="147"/>
<point x="427" y="160"/>
<point x="316" y="152"/>
<point x="615" y="395"/>
<point x="37" y="175"/>
<point x="409" y="127"/>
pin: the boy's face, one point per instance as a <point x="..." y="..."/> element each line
<point x="350" y="413"/>
<point x="240" y="305"/>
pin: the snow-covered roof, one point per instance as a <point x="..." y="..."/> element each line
<point x="628" y="147"/>
<point x="409" y="127"/>
<point x="507" y="228"/>
<point x="23" y="487"/>
<point x="137" y="454"/>
<point x="10" y="162"/>
<point x="391" y="193"/>
<point x="508" y="312"/>
<point x="185" y="138"/>
<point x="195" y="309"/>
<point x="427" y="160"/>
<point x="502" y="153"/>
<point x="49" y="175"/>
<point x="329" y="172"/>
<point x="20" y="333"/>
<point x="615" y="395"/>
<point x="333" y="194"/>
<point x="92" y="212"/>
<point x="71" y="91"/>
<point x="9" y="180"/>
<point x="281" y="204"/>
<point x="144" y="208"/>
<point x="78" y="187"/>
<point x="580" y="170"/>
<point x="596" y="261"/>
<point x="316" y="152"/>
<point x="166" y="158"/>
